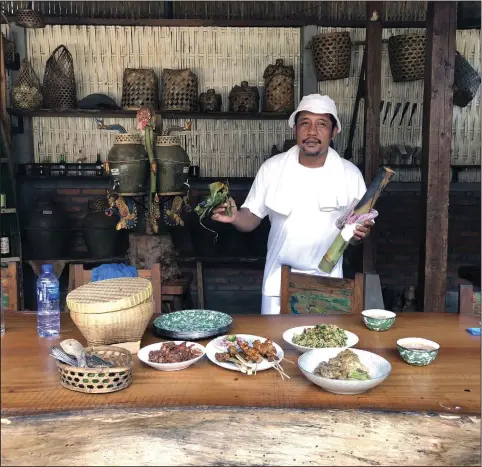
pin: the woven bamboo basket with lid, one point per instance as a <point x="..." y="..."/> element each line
<point x="112" y="311"/>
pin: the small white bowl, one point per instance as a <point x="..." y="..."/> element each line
<point x="143" y="355"/>
<point x="352" y="339"/>
<point x="378" y="368"/>
<point x="378" y="320"/>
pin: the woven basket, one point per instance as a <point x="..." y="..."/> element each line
<point x="59" y="80"/>
<point x="112" y="311"/>
<point x="140" y="88"/>
<point x="209" y="101"/>
<point x="466" y="81"/>
<point x="279" y="89"/>
<point x="244" y="98"/>
<point x="28" y="18"/>
<point x="179" y="90"/>
<point x="406" y="54"/>
<point x="26" y="92"/>
<point x="331" y="55"/>
<point x="99" y="380"/>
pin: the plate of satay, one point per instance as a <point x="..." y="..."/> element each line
<point x="246" y="353"/>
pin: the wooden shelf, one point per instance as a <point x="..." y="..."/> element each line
<point x="88" y="113"/>
<point x="225" y="23"/>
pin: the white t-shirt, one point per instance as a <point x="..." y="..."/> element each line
<point x="302" y="238"/>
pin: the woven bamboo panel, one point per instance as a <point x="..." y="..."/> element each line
<point x="466" y="131"/>
<point x="219" y="57"/>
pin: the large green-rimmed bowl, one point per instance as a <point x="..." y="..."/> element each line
<point x="192" y="324"/>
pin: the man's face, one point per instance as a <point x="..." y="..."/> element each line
<point x="314" y="133"/>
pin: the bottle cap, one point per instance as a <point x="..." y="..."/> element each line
<point x="47" y="268"/>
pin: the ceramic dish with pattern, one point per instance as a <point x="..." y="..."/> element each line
<point x="378" y="370"/>
<point x="417" y="351"/>
<point x="351" y="338"/>
<point x="192" y="324"/>
<point x="378" y="320"/>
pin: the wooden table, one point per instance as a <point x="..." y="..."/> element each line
<point x="205" y="403"/>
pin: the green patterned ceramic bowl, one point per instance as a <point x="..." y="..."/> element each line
<point x="417" y="351"/>
<point x="192" y="324"/>
<point x="378" y="320"/>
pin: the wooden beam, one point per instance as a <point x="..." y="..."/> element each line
<point x="373" y="95"/>
<point x="436" y="153"/>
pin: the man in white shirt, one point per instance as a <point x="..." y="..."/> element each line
<point x="303" y="191"/>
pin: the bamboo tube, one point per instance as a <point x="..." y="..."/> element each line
<point x="367" y="202"/>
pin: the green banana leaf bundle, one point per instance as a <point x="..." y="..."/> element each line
<point x="218" y="194"/>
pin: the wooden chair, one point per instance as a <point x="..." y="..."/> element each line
<point x="79" y="276"/>
<point x="469" y="301"/>
<point x="309" y="294"/>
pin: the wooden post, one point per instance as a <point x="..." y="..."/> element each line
<point x="436" y="153"/>
<point x="308" y="80"/>
<point x="373" y="95"/>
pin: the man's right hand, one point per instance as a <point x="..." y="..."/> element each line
<point x="220" y="214"/>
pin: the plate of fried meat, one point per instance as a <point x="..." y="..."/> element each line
<point x="246" y="353"/>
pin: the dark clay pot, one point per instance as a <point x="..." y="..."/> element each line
<point x="101" y="237"/>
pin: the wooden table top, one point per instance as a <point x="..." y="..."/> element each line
<point x="451" y="384"/>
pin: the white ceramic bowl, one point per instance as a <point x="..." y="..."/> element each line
<point x="378" y="368"/>
<point x="143" y="355"/>
<point x="378" y="320"/>
<point x="352" y="339"/>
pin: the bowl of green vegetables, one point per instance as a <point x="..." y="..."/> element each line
<point x="319" y="336"/>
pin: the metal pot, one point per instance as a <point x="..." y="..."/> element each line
<point x="172" y="165"/>
<point x="101" y="237"/>
<point x="128" y="165"/>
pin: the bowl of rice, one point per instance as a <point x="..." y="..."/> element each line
<point x="319" y="336"/>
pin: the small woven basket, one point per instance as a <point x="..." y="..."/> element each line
<point x="243" y="98"/>
<point x="112" y="311"/>
<point x="179" y="90"/>
<point x="59" y="80"/>
<point x="29" y="18"/>
<point x="99" y="380"/>
<point x="26" y="92"/>
<point x="140" y="87"/>
<point x="279" y="90"/>
<point x="406" y="54"/>
<point x="331" y="55"/>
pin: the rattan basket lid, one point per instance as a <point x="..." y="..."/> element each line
<point x="109" y="295"/>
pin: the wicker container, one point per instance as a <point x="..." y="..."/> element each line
<point x="99" y="380"/>
<point x="112" y="311"/>
<point x="140" y="88"/>
<point x="466" y="81"/>
<point x="406" y="54"/>
<point x="244" y="98"/>
<point x="26" y="92"/>
<point x="209" y="101"/>
<point x="179" y="90"/>
<point x="29" y="18"/>
<point x="279" y="89"/>
<point x="59" y="80"/>
<point x="331" y="55"/>
<point x="8" y="46"/>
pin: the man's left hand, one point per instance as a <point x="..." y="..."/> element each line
<point x="362" y="231"/>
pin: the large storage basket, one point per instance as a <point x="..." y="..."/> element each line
<point x="406" y="54"/>
<point x="179" y="90"/>
<point x="140" y="88"/>
<point x="331" y="55"/>
<point x="112" y="311"/>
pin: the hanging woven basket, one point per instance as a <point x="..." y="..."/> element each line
<point x="59" y="80"/>
<point x="26" y="92"/>
<point x="331" y="55"/>
<point x="466" y="81"/>
<point x="8" y="46"/>
<point x="279" y="91"/>
<point x="406" y="54"/>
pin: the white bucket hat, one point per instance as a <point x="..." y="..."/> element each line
<point x="317" y="104"/>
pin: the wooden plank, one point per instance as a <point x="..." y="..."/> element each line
<point x="269" y="437"/>
<point x="308" y="79"/>
<point x="234" y="23"/>
<point x="436" y="153"/>
<point x="30" y="380"/>
<point x="171" y="114"/>
<point x="200" y="284"/>
<point x="466" y="299"/>
<point x="373" y="95"/>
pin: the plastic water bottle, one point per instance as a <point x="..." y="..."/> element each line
<point x="48" y="310"/>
